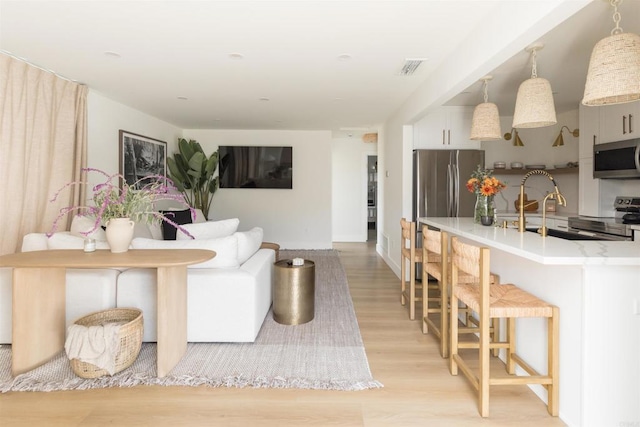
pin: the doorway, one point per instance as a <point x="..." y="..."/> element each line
<point x="372" y="197"/>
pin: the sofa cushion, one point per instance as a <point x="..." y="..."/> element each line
<point x="66" y="240"/>
<point x="248" y="243"/>
<point x="82" y="224"/>
<point x="179" y="217"/>
<point x="209" y="229"/>
<point x="226" y="249"/>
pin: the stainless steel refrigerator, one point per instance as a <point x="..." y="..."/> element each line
<point x="439" y="178"/>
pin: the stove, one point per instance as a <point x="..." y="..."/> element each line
<point x="611" y="228"/>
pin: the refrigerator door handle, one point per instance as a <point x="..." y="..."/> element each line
<point x="449" y="191"/>
<point x="456" y="190"/>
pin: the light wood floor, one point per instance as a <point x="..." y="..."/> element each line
<point x="418" y="389"/>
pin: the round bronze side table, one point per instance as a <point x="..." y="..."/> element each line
<point x="294" y="292"/>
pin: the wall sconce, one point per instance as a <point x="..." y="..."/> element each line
<point x="534" y="102"/>
<point x="614" y="68"/>
<point x="560" y="140"/>
<point x="517" y="142"/>
<point x="485" y="125"/>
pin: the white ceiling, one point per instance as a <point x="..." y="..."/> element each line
<point x="291" y="56"/>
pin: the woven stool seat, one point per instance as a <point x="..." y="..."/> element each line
<point x="505" y="300"/>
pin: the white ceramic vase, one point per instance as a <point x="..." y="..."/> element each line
<point x="119" y="234"/>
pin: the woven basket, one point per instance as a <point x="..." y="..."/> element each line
<point x="130" y="339"/>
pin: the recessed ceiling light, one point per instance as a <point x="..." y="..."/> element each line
<point x="112" y="54"/>
<point x="236" y="56"/>
<point x="182" y="98"/>
<point x="337" y="99"/>
<point x="265" y="99"/>
<point x="344" y="57"/>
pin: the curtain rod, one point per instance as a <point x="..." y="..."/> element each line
<point x="39" y="67"/>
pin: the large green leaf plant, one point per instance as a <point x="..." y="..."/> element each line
<point x="193" y="174"/>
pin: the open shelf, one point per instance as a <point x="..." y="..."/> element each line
<point x="524" y="171"/>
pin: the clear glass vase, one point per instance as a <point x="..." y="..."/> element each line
<point x="485" y="210"/>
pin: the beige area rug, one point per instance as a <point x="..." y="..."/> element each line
<point x="326" y="353"/>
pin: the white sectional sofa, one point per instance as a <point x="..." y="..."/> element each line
<point x="228" y="297"/>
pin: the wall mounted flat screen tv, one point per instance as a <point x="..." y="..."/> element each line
<point x="255" y="167"/>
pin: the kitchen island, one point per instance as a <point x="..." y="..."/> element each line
<point x="596" y="285"/>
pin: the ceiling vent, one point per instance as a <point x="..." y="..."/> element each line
<point x="410" y="66"/>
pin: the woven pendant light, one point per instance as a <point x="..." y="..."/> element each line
<point x="485" y="125"/>
<point x="534" y="102"/>
<point x="614" y="68"/>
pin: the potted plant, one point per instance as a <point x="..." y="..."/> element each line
<point x="120" y="207"/>
<point x="193" y="174"/>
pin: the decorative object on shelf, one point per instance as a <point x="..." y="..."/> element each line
<point x="560" y="140"/>
<point x="614" y="68"/>
<point x="534" y="102"/>
<point x="193" y="174"/>
<point x="485" y="125"/>
<point x="485" y="186"/>
<point x="119" y="233"/>
<point x="529" y="205"/>
<point x="499" y="165"/>
<point x="517" y="142"/>
<point x="517" y="165"/>
<point x="112" y="201"/>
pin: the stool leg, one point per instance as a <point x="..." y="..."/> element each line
<point x="444" y="318"/>
<point x="412" y="290"/>
<point x="553" y="361"/>
<point x="484" y="362"/>
<point x="495" y="323"/>
<point x="453" y="365"/>
<point x="511" y="340"/>
<point x="403" y="283"/>
<point x="425" y="300"/>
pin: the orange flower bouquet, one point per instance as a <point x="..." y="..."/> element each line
<point x="485" y="186"/>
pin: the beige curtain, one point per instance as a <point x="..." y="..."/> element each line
<point x="43" y="143"/>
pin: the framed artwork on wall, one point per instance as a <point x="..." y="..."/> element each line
<point x="141" y="157"/>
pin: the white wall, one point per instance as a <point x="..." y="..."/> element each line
<point x="349" y="196"/>
<point x="107" y="117"/>
<point x="299" y="218"/>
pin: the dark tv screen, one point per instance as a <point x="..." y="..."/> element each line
<point x="255" y="167"/>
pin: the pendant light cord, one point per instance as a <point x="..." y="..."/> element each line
<point x="616" y="17"/>
<point x="534" y="67"/>
<point x="486" y="91"/>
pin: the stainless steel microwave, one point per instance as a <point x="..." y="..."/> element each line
<point x="619" y="159"/>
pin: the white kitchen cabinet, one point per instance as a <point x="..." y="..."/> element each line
<point x="589" y="119"/>
<point x="588" y="186"/>
<point x="619" y="122"/>
<point x="445" y="128"/>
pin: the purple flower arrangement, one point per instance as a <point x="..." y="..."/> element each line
<point x="135" y="201"/>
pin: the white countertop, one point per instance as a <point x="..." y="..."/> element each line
<point x="545" y="250"/>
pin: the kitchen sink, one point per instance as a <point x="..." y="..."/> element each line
<point x="565" y="235"/>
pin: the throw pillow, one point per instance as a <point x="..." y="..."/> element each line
<point x="179" y="217"/>
<point x="248" y="243"/>
<point x="81" y="224"/>
<point x="226" y="249"/>
<point x="210" y="229"/>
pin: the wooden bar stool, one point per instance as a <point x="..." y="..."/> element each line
<point x="408" y="252"/>
<point x="498" y="301"/>
<point x="437" y="263"/>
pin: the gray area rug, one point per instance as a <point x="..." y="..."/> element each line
<point x="326" y="353"/>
